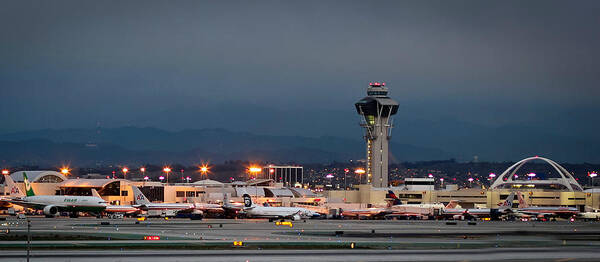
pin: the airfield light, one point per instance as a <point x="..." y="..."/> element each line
<point x="142" y="169"/>
<point x="65" y="170"/>
<point x="430" y="175"/>
<point x="359" y="172"/>
<point x="470" y="179"/>
<point x="146" y="178"/>
<point x="330" y="176"/>
<point x="204" y="169"/>
<point x="254" y="169"/>
<point x="593" y="174"/>
<point x="492" y="175"/>
<point x="5" y="171"/>
<point x="167" y="170"/>
<point x="125" y="170"/>
<point x="161" y="178"/>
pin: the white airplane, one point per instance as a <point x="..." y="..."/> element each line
<point x="166" y="209"/>
<point x="293" y="213"/>
<point x="503" y="209"/>
<point x="50" y="204"/>
<point x="118" y="209"/>
<point x="544" y="212"/>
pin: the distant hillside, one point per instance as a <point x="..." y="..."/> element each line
<point x="139" y="145"/>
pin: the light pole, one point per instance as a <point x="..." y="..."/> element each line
<point x="345" y="185"/>
<point x="167" y="170"/>
<point x="143" y="170"/>
<point x="253" y="170"/>
<point x="204" y="170"/>
<point x="65" y="170"/>
<point x="360" y="172"/>
<point x="492" y="176"/>
<point x="28" y="238"/>
<point x="5" y="172"/>
<point x="592" y="175"/>
<point x="125" y="170"/>
<point x="470" y="182"/>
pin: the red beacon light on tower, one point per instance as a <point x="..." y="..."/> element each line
<point x="376" y="84"/>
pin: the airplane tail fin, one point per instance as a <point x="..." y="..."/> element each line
<point x="452" y="204"/>
<point x="522" y="202"/>
<point x="247" y="200"/>
<point x="138" y="197"/>
<point x="95" y="193"/>
<point x="509" y="201"/>
<point x="13" y="189"/>
<point x="225" y="199"/>
<point x="394" y="199"/>
<point x="28" y="188"/>
<point x="391" y="194"/>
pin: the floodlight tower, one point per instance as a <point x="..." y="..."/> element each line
<point x="376" y="110"/>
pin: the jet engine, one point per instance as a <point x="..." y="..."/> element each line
<point x="296" y="217"/>
<point x="50" y="210"/>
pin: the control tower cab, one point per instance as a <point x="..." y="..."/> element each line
<point x="376" y="111"/>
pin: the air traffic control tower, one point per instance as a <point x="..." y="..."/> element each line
<point x="376" y="111"/>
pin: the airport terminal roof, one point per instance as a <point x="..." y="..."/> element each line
<point x="253" y="191"/>
<point x="259" y="182"/>
<point x="88" y="182"/>
<point x="278" y="192"/>
<point x="302" y="192"/>
<point x="39" y="176"/>
<point x="208" y="182"/>
<point x="592" y="190"/>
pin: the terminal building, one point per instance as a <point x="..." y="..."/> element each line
<point x="562" y="191"/>
<point x="119" y="191"/>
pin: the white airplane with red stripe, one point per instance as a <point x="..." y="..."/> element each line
<point x="144" y="204"/>
<point x="545" y="212"/>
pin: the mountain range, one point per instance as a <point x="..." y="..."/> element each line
<point x="413" y="141"/>
<point x="151" y="145"/>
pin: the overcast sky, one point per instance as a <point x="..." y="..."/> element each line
<point x="77" y="63"/>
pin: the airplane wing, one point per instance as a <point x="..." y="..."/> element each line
<point x="33" y="205"/>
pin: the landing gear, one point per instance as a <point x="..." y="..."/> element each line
<point x="74" y="215"/>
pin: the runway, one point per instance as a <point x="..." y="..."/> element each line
<point x="58" y="239"/>
<point x="540" y="254"/>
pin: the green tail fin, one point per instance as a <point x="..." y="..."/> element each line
<point x="28" y="188"/>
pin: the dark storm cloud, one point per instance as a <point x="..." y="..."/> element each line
<point x="73" y="63"/>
